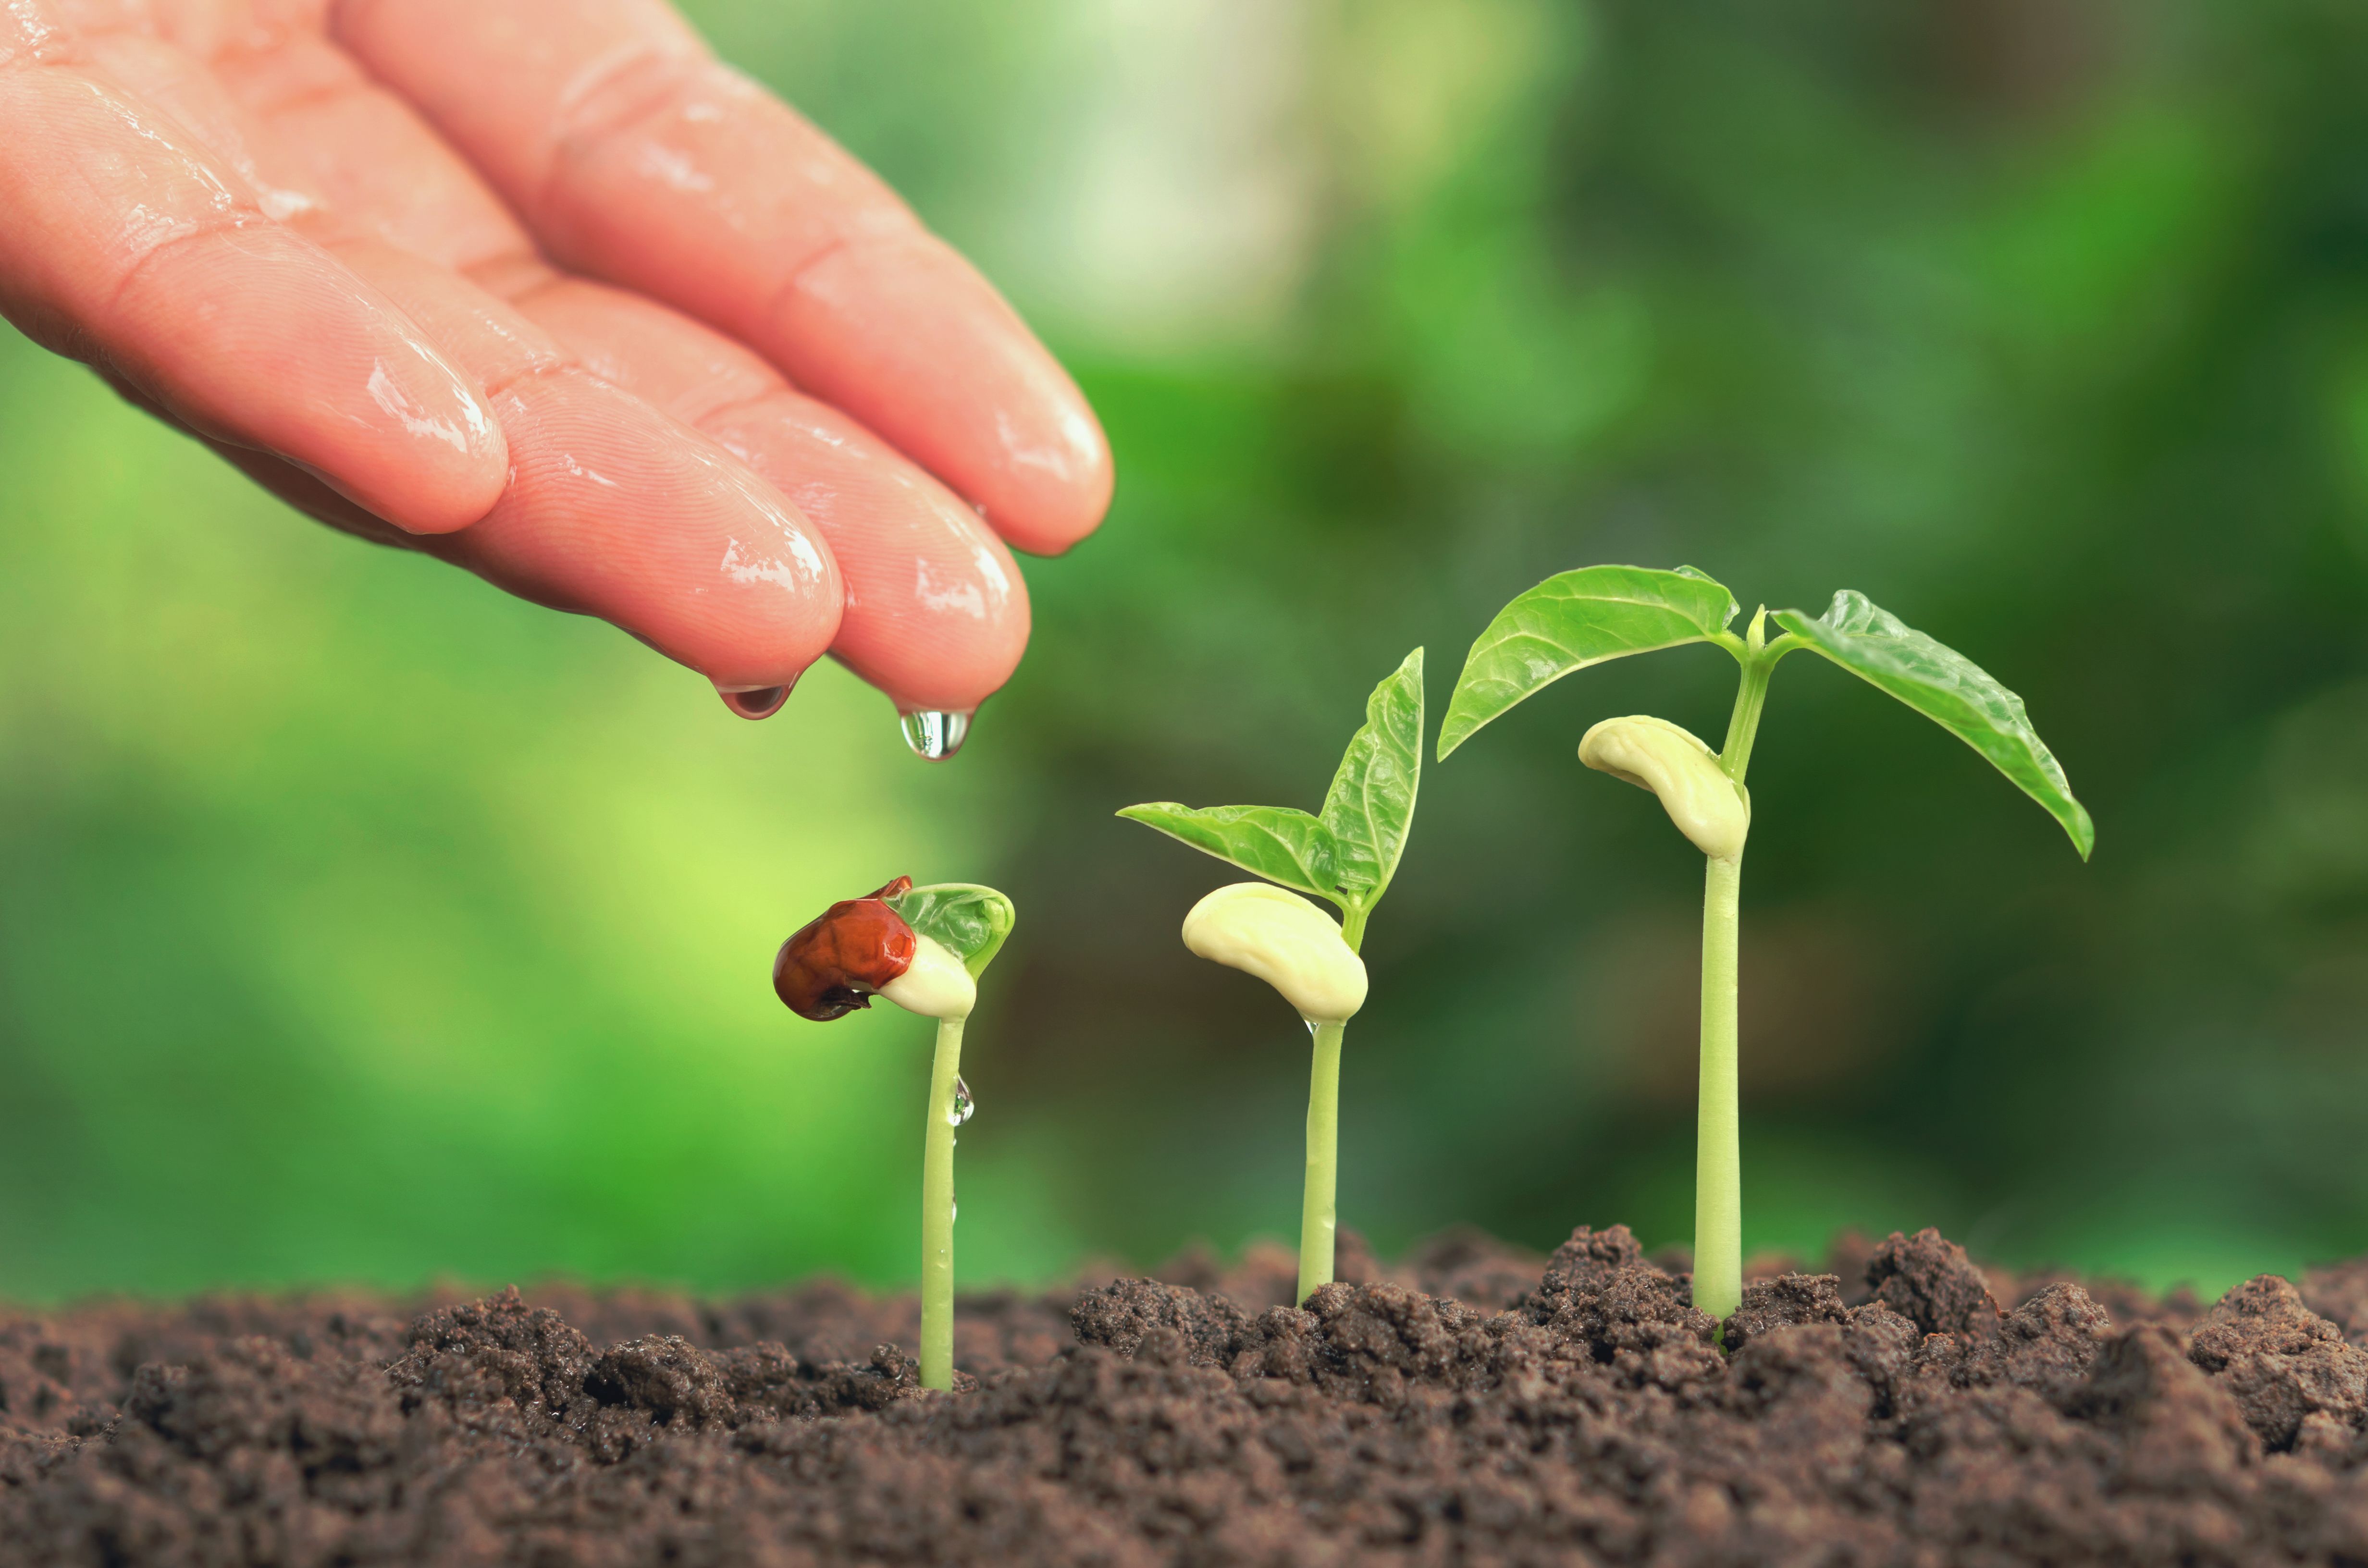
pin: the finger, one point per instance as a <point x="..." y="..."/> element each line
<point x="167" y="77"/>
<point x="632" y="154"/>
<point x="325" y="125"/>
<point x="615" y="509"/>
<point x="129" y="244"/>
<point x="937" y="615"/>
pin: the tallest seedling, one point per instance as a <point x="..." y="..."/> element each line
<point x="1586" y="616"/>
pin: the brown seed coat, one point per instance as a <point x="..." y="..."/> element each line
<point x="837" y="961"/>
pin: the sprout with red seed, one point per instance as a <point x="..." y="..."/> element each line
<point x="922" y="948"/>
<point x="862" y="947"/>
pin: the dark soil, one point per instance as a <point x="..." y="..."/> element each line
<point x="1474" y="1407"/>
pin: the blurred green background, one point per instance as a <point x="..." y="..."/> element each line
<point x="356" y="922"/>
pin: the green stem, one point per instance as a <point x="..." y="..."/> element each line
<point x="937" y="1212"/>
<point x="1718" y="1155"/>
<point x="1317" y="1218"/>
<point x="1751" y="697"/>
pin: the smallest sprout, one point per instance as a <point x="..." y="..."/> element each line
<point x="922" y="948"/>
<point x="1284" y="940"/>
<point x="860" y="948"/>
<point x="1684" y="773"/>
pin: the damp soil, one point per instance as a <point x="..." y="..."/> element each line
<point x="1474" y="1404"/>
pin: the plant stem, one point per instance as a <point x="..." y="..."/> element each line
<point x="1317" y="1217"/>
<point x="937" y="1212"/>
<point x="1718" y="1157"/>
<point x="1718" y="1154"/>
<point x="1751" y="697"/>
<point x="1318" y="1207"/>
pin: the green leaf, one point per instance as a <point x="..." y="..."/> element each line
<point x="1275" y="842"/>
<point x="1951" y="690"/>
<point x="1370" y="804"/>
<point x="970" y="920"/>
<point x="1574" y="620"/>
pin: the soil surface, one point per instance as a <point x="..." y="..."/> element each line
<point x="1474" y="1405"/>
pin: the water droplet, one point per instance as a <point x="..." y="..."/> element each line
<point x="762" y="702"/>
<point x="964" y="1106"/>
<point x="953" y="1207"/>
<point x="1311" y="1026"/>
<point x="934" y="735"/>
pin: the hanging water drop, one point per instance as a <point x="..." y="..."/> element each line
<point x="964" y="1106"/>
<point x="762" y="702"/>
<point x="934" y="734"/>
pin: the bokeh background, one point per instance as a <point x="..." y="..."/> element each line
<point x="358" y="924"/>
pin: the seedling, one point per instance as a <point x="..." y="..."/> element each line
<point x="924" y="950"/>
<point x="1586" y="616"/>
<point x="1346" y="854"/>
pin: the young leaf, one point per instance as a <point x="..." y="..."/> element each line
<point x="1370" y="802"/>
<point x="1275" y="842"/>
<point x="967" y="920"/>
<point x="1951" y="690"/>
<point x="1574" y="620"/>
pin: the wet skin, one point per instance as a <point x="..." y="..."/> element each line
<point x="540" y="288"/>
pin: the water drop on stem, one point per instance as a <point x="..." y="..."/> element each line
<point x="966" y="1105"/>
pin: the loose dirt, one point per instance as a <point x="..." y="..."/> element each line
<point x="1474" y="1407"/>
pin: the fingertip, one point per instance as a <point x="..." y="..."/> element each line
<point x="953" y="642"/>
<point x="1053" y="484"/>
<point x="259" y="336"/>
<point x="441" y="462"/>
<point x="899" y="331"/>
<point x="620" y="512"/>
<point x="937" y="611"/>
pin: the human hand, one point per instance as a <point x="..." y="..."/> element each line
<point x="540" y="288"/>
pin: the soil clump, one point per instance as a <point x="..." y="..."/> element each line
<point x="1471" y="1405"/>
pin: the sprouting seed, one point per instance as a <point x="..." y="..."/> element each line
<point x="924" y="950"/>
